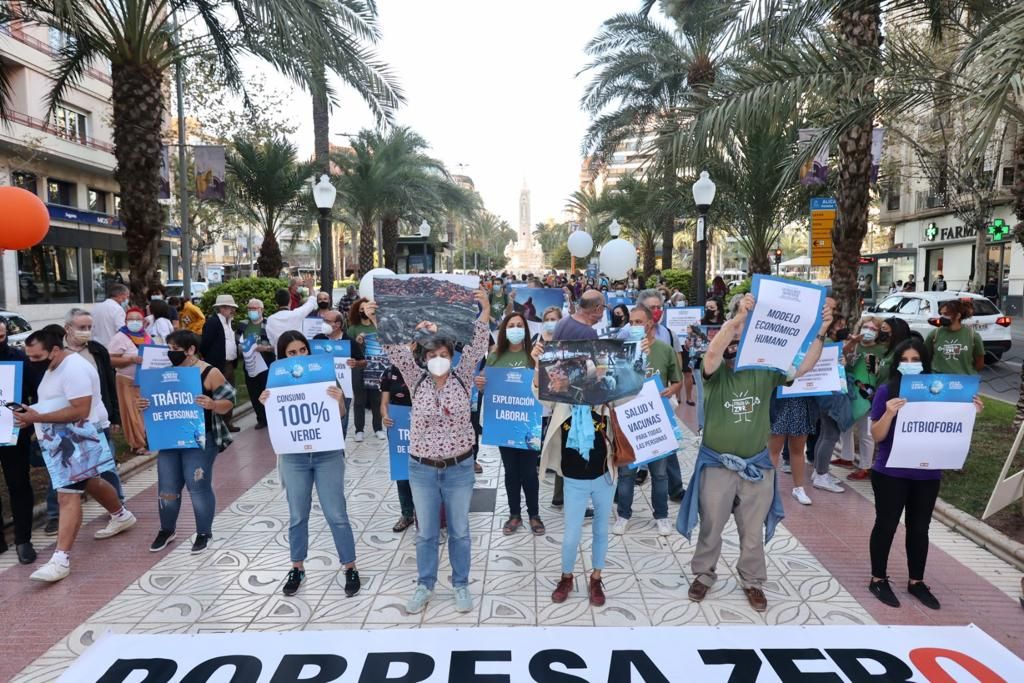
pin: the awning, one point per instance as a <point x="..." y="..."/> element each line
<point x="798" y="262"/>
<point x="893" y="253"/>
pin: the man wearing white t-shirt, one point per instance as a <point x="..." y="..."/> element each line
<point x="71" y="378"/>
<point x="108" y="315"/>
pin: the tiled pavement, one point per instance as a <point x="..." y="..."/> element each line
<point x="817" y="571"/>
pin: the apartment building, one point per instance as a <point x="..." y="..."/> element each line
<point x="67" y="159"/>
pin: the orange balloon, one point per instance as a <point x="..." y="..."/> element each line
<point x="24" y="220"/>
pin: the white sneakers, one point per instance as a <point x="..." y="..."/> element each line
<point x="380" y="434"/>
<point x="664" y="527"/>
<point x="620" y="525"/>
<point x="359" y="437"/>
<point x="786" y="468"/>
<point x="826" y="482"/>
<point x="51" y="572"/>
<point x="116" y="526"/>
<point x="800" y="496"/>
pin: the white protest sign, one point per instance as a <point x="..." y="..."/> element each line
<point x="786" y="315"/>
<point x="343" y="373"/>
<point x="679" y="320"/>
<point x="620" y="655"/>
<point x="932" y="436"/>
<point x="647" y="425"/>
<point x="301" y="417"/>
<point x="154" y="357"/>
<point x="824" y="378"/>
<point x="254" y="362"/>
<point x="312" y="326"/>
<point x="10" y="392"/>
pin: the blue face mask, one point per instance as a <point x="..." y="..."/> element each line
<point x="515" y="335"/>
<point x="637" y="332"/>
<point x="911" y="368"/>
<point x="549" y="326"/>
<point x="254" y="315"/>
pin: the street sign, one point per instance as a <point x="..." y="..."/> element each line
<point x="823" y="219"/>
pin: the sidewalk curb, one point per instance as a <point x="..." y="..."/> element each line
<point x="992" y="540"/>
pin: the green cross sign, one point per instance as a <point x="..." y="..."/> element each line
<point x="931" y="232"/>
<point x="998" y="229"/>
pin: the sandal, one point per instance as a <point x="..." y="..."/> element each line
<point x="403" y="524"/>
<point x="512" y="525"/>
<point x="537" y="526"/>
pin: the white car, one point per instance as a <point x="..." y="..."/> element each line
<point x="176" y="287"/>
<point x="921" y="311"/>
<point x="18" y="328"/>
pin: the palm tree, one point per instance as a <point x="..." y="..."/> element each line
<point x="269" y="183"/>
<point x="141" y="43"/>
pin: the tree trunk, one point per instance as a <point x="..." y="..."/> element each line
<point x="389" y="234"/>
<point x="138" y="114"/>
<point x="269" y="263"/>
<point x="668" y="234"/>
<point x="860" y="28"/>
<point x="366" y="238"/>
<point x="1018" y="230"/>
<point x="758" y="262"/>
<point x="649" y="257"/>
<point x="980" y="253"/>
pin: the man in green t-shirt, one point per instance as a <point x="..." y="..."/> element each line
<point x="734" y="473"/>
<point x="663" y="360"/>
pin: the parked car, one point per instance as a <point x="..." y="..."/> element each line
<point x="18" y="328"/>
<point x="921" y="311"/>
<point x="176" y="287"/>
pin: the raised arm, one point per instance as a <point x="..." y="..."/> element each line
<point x="814" y="352"/>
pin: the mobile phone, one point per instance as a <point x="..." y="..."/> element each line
<point x="14" y="407"/>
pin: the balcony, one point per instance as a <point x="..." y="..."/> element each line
<point x="17" y="33"/>
<point x="47" y="127"/>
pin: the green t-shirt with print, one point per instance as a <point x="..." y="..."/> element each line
<point x="661" y="358"/>
<point x="865" y="369"/>
<point x="955" y="353"/>
<point x="737" y="409"/>
<point x="509" y="359"/>
<point x="356" y="330"/>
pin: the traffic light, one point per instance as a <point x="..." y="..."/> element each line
<point x="778" y="256"/>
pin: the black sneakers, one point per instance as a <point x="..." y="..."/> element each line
<point x="201" y="542"/>
<point x="52" y="525"/>
<point x="883" y="591"/>
<point x="352" y="583"/>
<point x="921" y="591"/>
<point x="161" y="540"/>
<point x="292" y="582"/>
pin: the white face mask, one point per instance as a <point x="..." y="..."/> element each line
<point x="326" y="328"/>
<point x="439" y="366"/>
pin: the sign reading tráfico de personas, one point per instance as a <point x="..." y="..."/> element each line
<point x="787" y="314"/>
<point x="511" y="415"/>
<point x="173" y="419"/>
<point x="752" y="654"/>
<point x="301" y="417"/>
<point x="649" y="424"/>
<point x="398" y="441"/>
<point x="933" y="430"/>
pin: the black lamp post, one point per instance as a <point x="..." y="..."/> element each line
<point x="703" y="195"/>
<point x="323" y="194"/>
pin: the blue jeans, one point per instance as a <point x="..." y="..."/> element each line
<point x="110" y="476"/>
<point x="432" y="486"/>
<point x="191" y="468"/>
<point x="675" y="476"/>
<point x="299" y="471"/>
<point x="577" y="492"/>
<point x="659" y="488"/>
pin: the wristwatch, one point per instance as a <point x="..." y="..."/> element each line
<point x="820" y="337"/>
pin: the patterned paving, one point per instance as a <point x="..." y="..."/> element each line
<point x="236" y="586"/>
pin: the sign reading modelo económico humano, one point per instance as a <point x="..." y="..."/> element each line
<point x="787" y="314"/>
<point x="933" y="430"/>
<point x="173" y="418"/>
<point x="750" y="654"/>
<point x="301" y="417"/>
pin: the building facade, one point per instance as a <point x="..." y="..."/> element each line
<point x="67" y="159"/>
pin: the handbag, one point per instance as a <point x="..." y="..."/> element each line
<point x="624" y="453"/>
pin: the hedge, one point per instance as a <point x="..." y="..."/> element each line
<point x="243" y="289"/>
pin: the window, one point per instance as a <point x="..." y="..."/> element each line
<point x="889" y="304"/>
<point x="892" y="201"/>
<point x="26" y="181"/>
<point x="910" y="306"/>
<point x="97" y="201"/>
<point x="117" y="204"/>
<point x="48" y="275"/>
<point x="1007" y="176"/>
<point x="984" y="307"/>
<point x="59" y="40"/>
<point x="15" y="323"/>
<point x="60" y="192"/>
<point x="108" y="268"/>
<point x="70" y="124"/>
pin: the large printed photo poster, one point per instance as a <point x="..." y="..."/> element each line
<point x="590" y="372"/>
<point x="404" y="301"/>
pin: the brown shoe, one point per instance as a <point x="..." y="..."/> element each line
<point x="478" y="468"/>
<point x="756" y="598"/>
<point x="563" y="589"/>
<point x="596" y="591"/>
<point x="697" y="591"/>
<point x="858" y="475"/>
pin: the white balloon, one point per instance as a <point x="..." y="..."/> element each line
<point x="366" y="282"/>
<point x="618" y="257"/>
<point x="580" y="243"/>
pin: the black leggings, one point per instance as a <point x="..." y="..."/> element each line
<point x="367" y="398"/>
<point x="15" y="463"/>
<point x="521" y="474"/>
<point x="893" y="495"/>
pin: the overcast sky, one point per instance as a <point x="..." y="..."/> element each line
<point x="491" y="85"/>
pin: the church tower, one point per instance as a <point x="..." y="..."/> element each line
<point x="525" y="255"/>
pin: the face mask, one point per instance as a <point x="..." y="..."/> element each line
<point x="41" y="365"/>
<point x="637" y="332"/>
<point x="82" y="336"/>
<point x="870" y="335"/>
<point x="656" y="314"/>
<point x="438" y="366"/>
<point x="911" y="368"/>
<point x="176" y="357"/>
<point x="945" y="321"/>
<point x="134" y="325"/>
<point x="883" y="336"/>
<point x="326" y="328"/>
<point x="124" y="304"/>
<point x="323" y="305"/>
<point x="254" y="315"/>
<point x="156" y="297"/>
<point x="515" y="335"/>
<point x="549" y="326"/>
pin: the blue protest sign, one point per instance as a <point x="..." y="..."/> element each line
<point x="933" y="430"/>
<point x="290" y="372"/>
<point x="939" y="388"/>
<point x="787" y="314"/>
<point x="301" y="416"/>
<point x="511" y="415"/>
<point x="333" y="347"/>
<point x="10" y="392"/>
<point x="173" y="419"/>
<point x="398" y="441"/>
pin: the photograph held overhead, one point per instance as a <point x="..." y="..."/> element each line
<point x="590" y="372"/>
<point x="405" y="301"/>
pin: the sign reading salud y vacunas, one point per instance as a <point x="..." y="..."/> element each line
<point x="301" y="417"/>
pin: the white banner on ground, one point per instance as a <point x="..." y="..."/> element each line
<point x="786" y="315"/>
<point x="647" y="425"/>
<point x="932" y="436"/>
<point x="824" y="378"/>
<point x="754" y="654"/>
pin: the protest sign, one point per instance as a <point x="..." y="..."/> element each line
<point x="533" y="301"/>
<point x="254" y="362"/>
<point x="301" y="417"/>
<point x="826" y="377"/>
<point x="154" y="356"/>
<point x="10" y="392"/>
<point x="343" y="373"/>
<point x="613" y="299"/>
<point x="403" y="301"/>
<point x="72" y="451"/>
<point x="680" y="320"/>
<point x="333" y="347"/>
<point x="649" y="424"/>
<point x="590" y="372"/>
<point x="511" y="415"/>
<point x="173" y="419"/>
<point x="787" y="314"/>
<point x="312" y="326"/>
<point x="376" y="361"/>
<point x="933" y="430"/>
<point x="398" y="441"/>
<point x="696" y="654"/>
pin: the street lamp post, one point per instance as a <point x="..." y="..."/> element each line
<point x="614" y="229"/>
<point x="425" y="234"/>
<point x="323" y="194"/>
<point x="703" y="195"/>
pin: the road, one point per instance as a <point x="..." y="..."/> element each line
<point x="1002" y="380"/>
